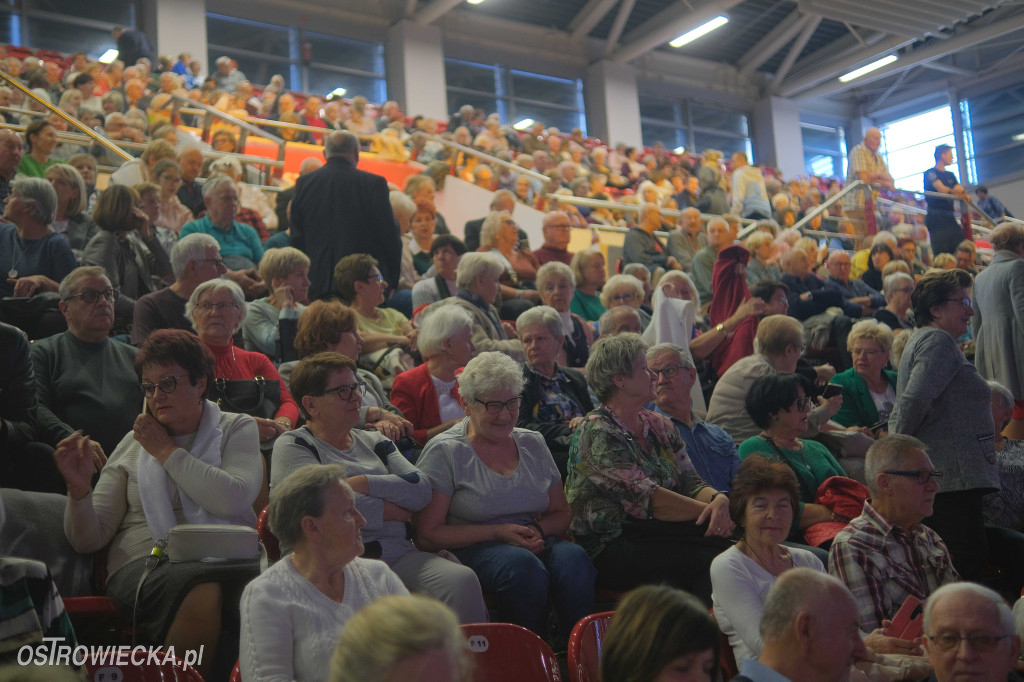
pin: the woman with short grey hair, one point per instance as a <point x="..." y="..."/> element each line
<point x="639" y="507"/>
<point x="294" y="612"/>
<point x="498" y="503"/>
<point x="898" y="288"/>
<point x="499" y="235"/>
<point x="557" y="287"/>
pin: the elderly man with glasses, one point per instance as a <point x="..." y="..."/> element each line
<point x="886" y="554"/>
<point x="86" y="380"/>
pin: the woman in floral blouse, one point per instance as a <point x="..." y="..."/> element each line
<point x="639" y="507"/>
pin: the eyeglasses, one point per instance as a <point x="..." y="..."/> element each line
<point x="922" y="476"/>
<point x="91" y="296"/>
<point x="965" y="302"/>
<point x="668" y="372"/>
<point x="804" y="403"/>
<point x="346" y="391"/>
<point x="496" y="406"/>
<point x="167" y="385"/>
<point x="217" y="262"/>
<point x="622" y="298"/>
<point x="208" y="308"/>
<point x="375" y="278"/>
<point x="982" y="644"/>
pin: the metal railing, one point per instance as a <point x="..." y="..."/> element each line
<point x="99" y="139"/>
<point x="491" y="160"/>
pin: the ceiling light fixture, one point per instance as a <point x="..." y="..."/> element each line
<point x="701" y="30"/>
<point x="1019" y="137"/>
<point x="679" y="150"/>
<point x="474" y="2"/>
<point x="108" y="56"/>
<point x="524" y="124"/>
<point x="337" y="92"/>
<point x="857" y="73"/>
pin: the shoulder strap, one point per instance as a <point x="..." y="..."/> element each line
<point x="308" y="446"/>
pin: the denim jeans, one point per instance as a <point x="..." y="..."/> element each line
<point x="523" y="581"/>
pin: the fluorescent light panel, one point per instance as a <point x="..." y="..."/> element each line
<point x="857" y="73"/>
<point x="474" y="2"/>
<point x="701" y="30"/>
<point x="337" y="92"/>
<point x="524" y="124"/>
<point x="1019" y="137"/>
<point x="108" y="56"/>
<point x="678" y="150"/>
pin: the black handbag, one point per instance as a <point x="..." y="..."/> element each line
<point x="256" y="397"/>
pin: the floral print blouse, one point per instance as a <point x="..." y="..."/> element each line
<point x="610" y="475"/>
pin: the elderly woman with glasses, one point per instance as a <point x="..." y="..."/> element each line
<point x="498" y="503"/>
<point x="185" y="461"/>
<point x="285" y="272"/>
<point x="293" y="613"/>
<point x="942" y="400"/>
<point x="217" y="311"/>
<point x="555" y="398"/>
<point x="639" y="507"/>
<point x="388" y="489"/>
<point x="625" y="290"/>
<point x="779" y="405"/>
<point x="897" y="288"/>
<point x="869" y="389"/>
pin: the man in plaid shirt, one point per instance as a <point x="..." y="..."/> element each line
<point x="886" y="554"/>
<point x="866" y="164"/>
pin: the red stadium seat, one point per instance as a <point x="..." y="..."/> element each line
<point x="164" y="671"/>
<point x="266" y="537"/>
<point x="586" y="645"/>
<point x="504" y="652"/>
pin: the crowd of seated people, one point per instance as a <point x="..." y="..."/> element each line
<point x="533" y="428"/>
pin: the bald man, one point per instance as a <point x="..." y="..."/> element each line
<point x="810" y="631"/>
<point x="557" y="235"/>
<point x="867" y="165"/>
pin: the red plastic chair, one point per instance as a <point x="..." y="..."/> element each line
<point x="504" y="652"/>
<point x="98" y="619"/>
<point x="236" y="672"/>
<point x="170" y="671"/>
<point x="266" y="537"/>
<point x="586" y="646"/>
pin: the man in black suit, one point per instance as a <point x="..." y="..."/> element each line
<point x="339" y="210"/>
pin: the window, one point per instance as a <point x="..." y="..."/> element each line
<point x="908" y="146"/>
<point x="994" y="133"/>
<point x="263" y="50"/>
<point x="824" y="150"/>
<point x="693" y="126"/>
<point x="516" y="95"/>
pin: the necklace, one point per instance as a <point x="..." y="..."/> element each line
<point x="22" y="251"/>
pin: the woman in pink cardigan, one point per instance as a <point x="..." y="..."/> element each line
<point x="426" y="394"/>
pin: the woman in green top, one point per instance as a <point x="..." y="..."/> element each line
<point x="779" y="404"/>
<point x="41" y="139"/>
<point x="589" y="268"/>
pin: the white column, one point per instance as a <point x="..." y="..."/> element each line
<point x="180" y="27"/>
<point x="777" y="138"/>
<point x="415" y="69"/>
<point x="613" y="105"/>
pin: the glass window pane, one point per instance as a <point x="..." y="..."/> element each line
<point x="351" y="54"/>
<point x="247" y="35"/>
<point x="724" y="144"/>
<point x="120" y="12"/>
<point x="7" y="23"/>
<point x="820" y="139"/>
<point x="559" y="118"/>
<point x="69" y="37"/>
<point x="718" y="119"/>
<point x="661" y="109"/>
<point x="323" y="81"/>
<point x="480" y="101"/>
<point x="553" y="90"/>
<point x="258" y="70"/>
<point x="470" y="76"/>
<point x="822" y="165"/>
<point x="670" y="137"/>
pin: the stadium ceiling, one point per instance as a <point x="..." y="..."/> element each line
<point x="787" y="48"/>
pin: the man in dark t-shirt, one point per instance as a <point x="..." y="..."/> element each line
<point x="940" y="220"/>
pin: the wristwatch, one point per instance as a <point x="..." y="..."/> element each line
<point x="720" y="327"/>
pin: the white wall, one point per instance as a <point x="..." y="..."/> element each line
<point x="461" y="201"/>
<point x="1011" y="194"/>
<point x="181" y="27"/>
<point x="415" y="69"/>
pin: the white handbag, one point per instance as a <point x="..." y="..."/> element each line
<point x="205" y="541"/>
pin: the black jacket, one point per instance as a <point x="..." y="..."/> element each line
<point x="339" y="210"/>
<point x="557" y="436"/>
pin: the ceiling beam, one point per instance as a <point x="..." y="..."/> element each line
<point x="625" y="9"/>
<point x="771" y="42"/>
<point x="794" y="51"/>
<point x="924" y="55"/>
<point x="668" y="24"/>
<point x="835" y="67"/>
<point x="589" y="17"/>
<point x="435" y="10"/>
<point x="948" y="68"/>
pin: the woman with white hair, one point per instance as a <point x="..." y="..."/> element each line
<point x="403" y="639"/>
<point x="1005" y="507"/>
<point x="499" y="235"/>
<point x="762" y="265"/>
<point x="869" y="389"/>
<point x="217" y="310"/>
<point x="249" y="197"/>
<point x="898" y="288"/>
<point x="293" y="613"/>
<point x="426" y="394"/>
<point x="498" y="503"/>
<point x="478" y="285"/>
<point x="72" y="221"/>
<point x="555" y="397"/>
<point x="625" y="290"/>
<point x="285" y="272"/>
<point x="557" y="286"/>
